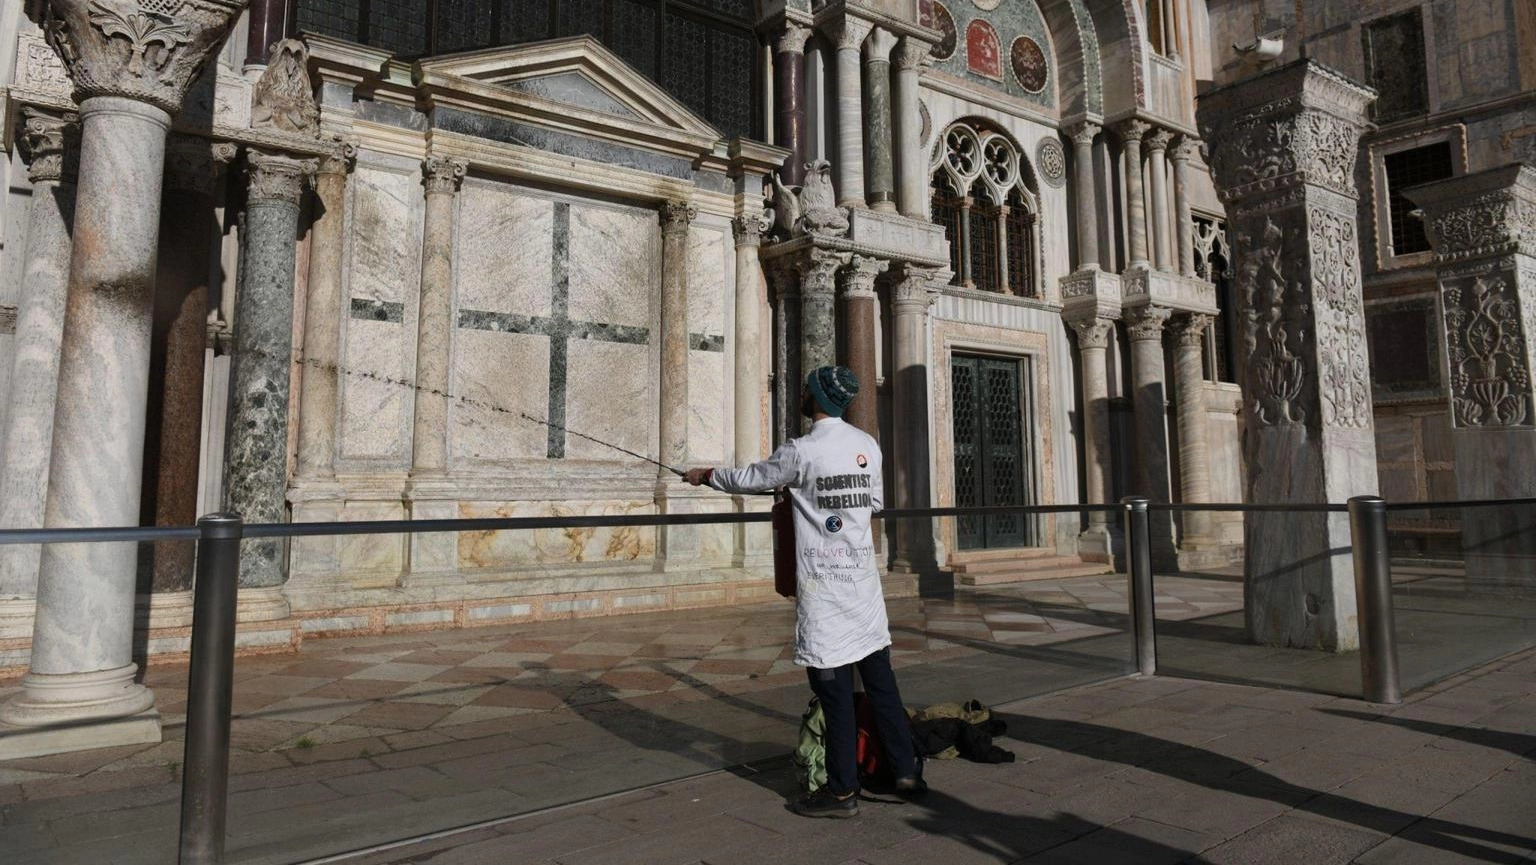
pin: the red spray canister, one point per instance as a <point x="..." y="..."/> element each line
<point x="785" y="562"/>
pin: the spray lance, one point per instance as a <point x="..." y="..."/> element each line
<point x="565" y="429"/>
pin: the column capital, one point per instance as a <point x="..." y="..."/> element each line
<point x="793" y="39"/>
<point x="676" y="216"/>
<point x="1082" y="134"/>
<point x="50" y="145"/>
<point x="276" y="178"/>
<point x="119" y="48"/>
<point x="1189" y="329"/>
<point x="341" y="159"/>
<point x="1094" y="333"/>
<point x="1147" y="322"/>
<point x="857" y="280"/>
<point x="1133" y="130"/>
<point x="1185" y="148"/>
<point x="1299" y="125"/>
<point x="194" y="164"/>
<point x="443" y="174"/>
<point x="1484" y="214"/>
<point x="846" y="32"/>
<point x="914" y="287"/>
<point x="818" y="270"/>
<point x="748" y="229"/>
<point x="1158" y="139"/>
<point x="912" y="53"/>
<point x="879" y="45"/>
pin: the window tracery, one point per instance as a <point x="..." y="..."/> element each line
<point x="982" y="196"/>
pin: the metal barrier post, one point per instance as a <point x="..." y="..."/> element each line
<point x="205" y="776"/>
<point x="1138" y="558"/>
<point x="1373" y="600"/>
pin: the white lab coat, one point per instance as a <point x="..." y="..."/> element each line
<point x="834" y="478"/>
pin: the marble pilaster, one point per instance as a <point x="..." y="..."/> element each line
<point x="818" y="308"/>
<point x="1184" y="220"/>
<point x="1131" y="133"/>
<point x="1194" y="450"/>
<point x="189" y="234"/>
<point x="50" y="145"/>
<point x="1157" y="173"/>
<point x="1087" y="200"/>
<point x="911" y="161"/>
<point x="674" y="544"/>
<point x="913" y="294"/>
<point x="82" y="667"/>
<point x="847" y="35"/>
<point x="856" y="288"/>
<point x="1149" y="386"/>
<point x="1093" y="338"/>
<point x="1283" y="147"/>
<point x="1483" y="228"/>
<point x="789" y="129"/>
<point x="322" y="318"/>
<point x="880" y="144"/>
<point x="256" y="451"/>
<point x="434" y="321"/>
<point x="748" y="233"/>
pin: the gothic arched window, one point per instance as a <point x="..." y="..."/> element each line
<point x="991" y="227"/>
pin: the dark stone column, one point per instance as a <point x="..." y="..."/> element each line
<point x="256" y="467"/>
<point x="786" y="351"/>
<point x="174" y="424"/>
<point x="1283" y="147"/>
<point x="879" y="143"/>
<point x="818" y="308"/>
<point x="271" y="21"/>
<point x="789" y="129"/>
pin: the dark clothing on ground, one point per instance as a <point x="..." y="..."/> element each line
<point x="834" y="688"/>
<point x="973" y="741"/>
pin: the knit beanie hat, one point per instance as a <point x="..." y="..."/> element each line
<point x="833" y="387"/>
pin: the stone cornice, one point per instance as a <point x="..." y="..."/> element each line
<point x="118" y="48"/>
<point x="1485" y="214"/>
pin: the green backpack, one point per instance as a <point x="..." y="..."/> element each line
<point x="810" y="756"/>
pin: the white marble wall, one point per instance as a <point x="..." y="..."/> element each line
<point x="711" y="288"/>
<point x="384" y="239"/>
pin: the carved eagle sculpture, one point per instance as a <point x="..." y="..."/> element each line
<point x="810" y="209"/>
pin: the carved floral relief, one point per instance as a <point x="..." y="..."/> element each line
<point x="1275" y="331"/>
<point x="1339" y="319"/>
<point x="1485" y="347"/>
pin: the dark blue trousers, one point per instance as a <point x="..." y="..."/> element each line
<point x="834" y="688"/>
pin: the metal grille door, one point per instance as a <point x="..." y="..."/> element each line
<point x="990" y="449"/>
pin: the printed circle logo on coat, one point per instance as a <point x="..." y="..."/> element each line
<point x="862" y="460"/>
<point x="834" y="523"/>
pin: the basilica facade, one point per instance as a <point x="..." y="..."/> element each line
<point x="395" y="260"/>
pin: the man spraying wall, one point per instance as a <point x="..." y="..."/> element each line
<point x="833" y="475"/>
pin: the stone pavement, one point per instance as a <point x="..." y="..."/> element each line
<point x="1136" y="771"/>
<point x="350" y="743"/>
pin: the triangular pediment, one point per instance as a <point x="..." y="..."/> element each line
<point x="577" y="79"/>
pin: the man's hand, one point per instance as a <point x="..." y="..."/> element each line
<point x="697" y="476"/>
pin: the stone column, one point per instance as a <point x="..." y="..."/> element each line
<point x="1283" y="148"/>
<point x="1093" y="338"/>
<point x="1157" y="171"/>
<point x="748" y="231"/>
<point x="1131" y="132"/>
<point x="912" y="295"/>
<point x="1150" y="395"/>
<point x="911" y="160"/>
<point x="189" y="233"/>
<point x="268" y="23"/>
<point x="847" y="34"/>
<point x="1483" y="226"/>
<point x="256" y="452"/>
<point x="1184" y="220"/>
<point x="129" y="80"/>
<point x="322" y="318"/>
<point x="676" y="216"/>
<point x="50" y="145"/>
<point x="786" y="351"/>
<point x="1087" y="199"/>
<point x="818" y="308"/>
<point x="1194" y="451"/>
<point x="856" y="286"/>
<point x="789" y="129"/>
<point x="434" y="319"/>
<point x="877" y="85"/>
